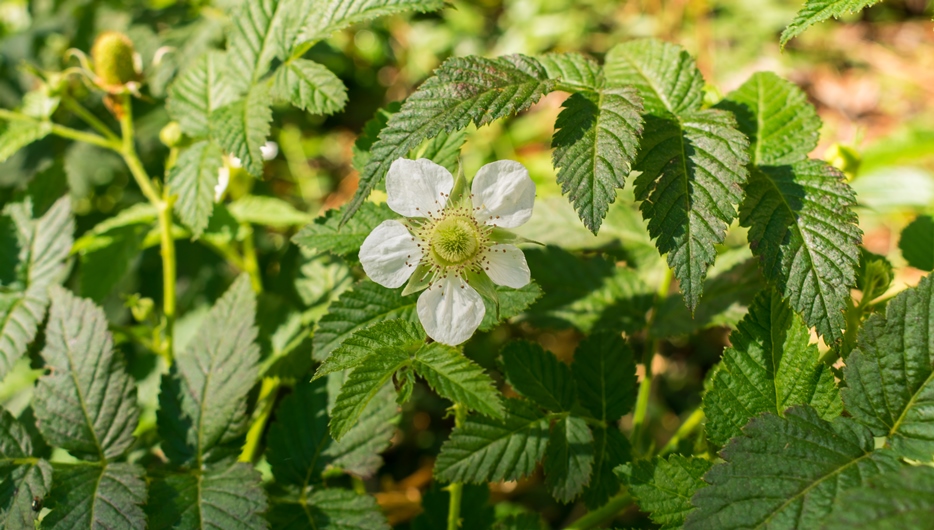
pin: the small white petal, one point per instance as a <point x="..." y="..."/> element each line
<point x="503" y="193"/>
<point x="269" y="150"/>
<point x="416" y="188"/>
<point x="506" y="265"/>
<point x="235" y="162"/>
<point x="223" y="178"/>
<point x="389" y="254"/>
<point x="450" y="310"/>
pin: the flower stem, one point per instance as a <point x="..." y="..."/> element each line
<point x="686" y="428"/>
<point x="456" y="489"/>
<point x="266" y="401"/>
<point x="603" y="514"/>
<point x="90" y="118"/>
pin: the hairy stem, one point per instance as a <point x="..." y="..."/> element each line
<point x="603" y="514"/>
<point x="456" y="489"/>
<point x="265" y="404"/>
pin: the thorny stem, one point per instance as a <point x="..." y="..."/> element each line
<point x="456" y="489"/>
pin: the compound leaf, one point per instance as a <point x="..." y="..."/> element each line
<point x="299" y="435"/>
<point x="358" y="451"/>
<point x="400" y="336"/>
<point x="665" y="75"/>
<point x="309" y="86"/>
<point x="199" y="90"/>
<point x="611" y="450"/>
<point x="252" y="41"/>
<point x="815" y="11"/>
<point x="605" y="372"/>
<point x="331" y="509"/>
<point x="229" y="497"/>
<point x="664" y="487"/>
<point x="457" y="378"/>
<point x="539" y="375"/>
<point x="569" y="458"/>
<point x="361" y="386"/>
<point x="194" y="179"/>
<point x="241" y="127"/>
<point x="24" y="477"/>
<point x="326" y="234"/>
<point x="97" y="496"/>
<point x="337" y="14"/>
<point x="891" y="501"/>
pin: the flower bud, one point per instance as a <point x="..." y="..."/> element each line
<point x="171" y="135"/>
<point x="113" y="57"/>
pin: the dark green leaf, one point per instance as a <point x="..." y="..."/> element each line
<point x="399" y="336"/>
<point x="539" y="376"/>
<point x="107" y="263"/>
<point x="194" y="179"/>
<point x="476" y="511"/>
<point x="605" y="372"/>
<point x="23" y="476"/>
<point x="299" y="435"/>
<point x="363" y="384"/>
<point x="664" y="487"/>
<point x="327" y="509"/>
<point x="309" y="86"/>
<point x="611" y="449"/>
<point x="228" y="497"/>
<point x="358" y="451"/>
<point x="569" y="458"/>
<point x="892" y="501"/>
<point x="455" y="377"/>
<point x="512" y="303"/>
<point x="96" y="496"/>
<point x="326" y="234"/>
<point x="917" y="243"/>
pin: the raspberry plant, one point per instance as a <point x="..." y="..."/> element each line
<point x="259" y="384"/>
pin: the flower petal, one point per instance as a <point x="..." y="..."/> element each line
<point x="417" y="188"/>
<point x="506" y="265"/>
<point x="450" y="310"/>
<point x="503" y="194"/>
<point x="389" y="254"/>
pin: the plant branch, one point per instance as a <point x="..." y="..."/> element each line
<point x="89" y="118"/>
<point x="456" y="489"/>
<point x="684" y="430"/>
<point x="267" y="400"/>
<point x="64" y="132"/>
<point x="603" y="514"/>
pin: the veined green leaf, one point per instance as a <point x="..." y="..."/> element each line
<point x="199" y="90"/>
<point x="486" y="449"/>
<point x="227" y="496"/>
<point x="309" y="86"/>
<point x="569" y="458"/>
<point x="326" y="234"/>
<point x="332" y="508"/>
<point x="23" y="476"/>
<point x="664" y="487"/>
<point x="299" y="435"/>
<point x="572" y="69"/>
<point x="358" y="452"/>
<point x="444" y="149"/>
<point x="19" y="134"/>
<point x="337" y="14"/>
<point x="799" y="464"/>
<point x="203" y="400"/>
<point x="252" y="40"/>
<point x="665" y="75"/>
<point x="194" y="179"/>
<point x="476" y="511"/>
<point x="457" y="378"/>
<point x="769" y="368"/>
<point x="87" y="403"/>
<point x="463" y="90"/>
<point x="917" y="243"/>
<point x="605" y="372"/>
<point x="96" y="496"/>
<point x="539" y="376"/>
<point x="815" y="11"/>
<point x="891" y="501"/>
<point x="890" y="376"/>
<point x="611" y="450"/>
<point x="267" y="211"/>
<point x="361" y="386"/>
<point x="107" y="263"/>
<point x="511" y="303"/>
<point x="241" y="127"/>
<point x="595" y="144"/>
<point x="400" y="336"/>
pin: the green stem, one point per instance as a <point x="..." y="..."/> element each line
<point x="456" y="489"/>
<point x="684" y="430"/>
<point x="64" y="132"/>
<point x="250" y="263"/>
<point x="90" y="118"/>
<point x="603" y="514"/>
<point x="267" y="400"/>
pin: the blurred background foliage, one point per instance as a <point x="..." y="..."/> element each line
<point x="870" y="76"/>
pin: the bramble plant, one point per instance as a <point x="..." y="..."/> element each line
<point x="187" y="348"/>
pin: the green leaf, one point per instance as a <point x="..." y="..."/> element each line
<point x="358" y="451"/>
<point x="512" y="303"/>
<point x="892" y="501"/>
<point x="486" y="449"/>
<point x="665" y="75"/>
<point x="463" y="90"/>
<point x="476" y="511"/>
<point x="595" y="145"/>
<point x="87" y="403"/>
<point x="522" y="521"/>
<point x="199" y="90"/>
<point x="229" y="497"/>
<point x="363" y="384"/>
<point x="605" y="372"/>
<point x="455" y="377"/>
<point x="917" y="243"/>
<point x="241" y="127"/>
<point x="254" y="40"/>
<point x="23" y="476"/>
<point x="815" y="11"/>
<point x="782" y="126"/>
<point x="365" y="305"/>
<point x="444" y="149"/>
<point x="803" y="229"/>
<point x="890" y="376"/>
<point x="107" y="262"/>
<point x="611" y="450"/>
<point x="309" y="86"/>
<point x="19" y="134"/>
<point x="97" y="496"/>
<point x="267" y="211"/>
<point x="203" y="401"/>
<point x="398" y="336"/>
<point x="326" y="234"/>
<point x="569" y="458"/>
<point x="572" y="68"/>
<point x="769" y="368"/>
<point x="370" y="133"/>
<point x="799" y="464"/>
<point x="298" y="437"/>
<point x="44" y="245"/>
<point x="337" y="14"/>
<point x="327" y="509"/>
<point x="663" y="488"/>
<point x="539" y="376"/>
<point x="194" y="179"/>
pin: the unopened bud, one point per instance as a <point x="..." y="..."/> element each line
<point x="113" y="57"/>
<point x="171" y="135"/>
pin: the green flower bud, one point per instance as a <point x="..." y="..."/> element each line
<point x="113" y="57"/>
<point x="171" y="135"/>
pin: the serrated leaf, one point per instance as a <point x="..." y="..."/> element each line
<point x="511" y="303"/>
<point x="203" y="400"/>
<point x="595" y="144"/>
<point x="199" y="90"/>
<point x="365" y="305"/>
<point x="665" y="75"/>
<point x="370" y="133"/>
<point x="96" y="496"/>
<point x="605" y="372"/>
<point x="361" y="386"/>
<point x="572" y="68"/>
<point x="539" y="376"/>
<point x="476" y="511"/>
<point x="44" y="245"/>
<point x="799" y="464"/>
<point x="194" y="179"/>
<point x="326" y="234"/>
<point x="803" y="229"/>
<point x="229" y="497"/>
<point x="105" y="264"/>
<point x="252" y="40"/>
<point x="917" y="243"/>
<point x="463" y="90"/>
<point x="611" y="450"/>
<point x="87" y="403"/>
<point x="23" y="476"/>
<point x="569" y="458"/>
<point x="782" y="126"/>
<point x="769" y="368"/>
<point x="267" y="211"/>
<point x="664" y="487"/>
<point x="444" y="149"/>
<point x="19" y="134"/>
<point x="891" y="501"/>
<point x="327" y="509"/>
<point x="890" y="376"/>
<point x="242" y="126"/>
<point x="399" y="336"/>
<point x="815" y="11"/>
<point x="299" y="435"/>
<point x="309" y="86"/>
<point x="484" y="449"/>
<point x="337" y="14"/>
<point x="358" y="452"/>
<point x="457" y="378"/>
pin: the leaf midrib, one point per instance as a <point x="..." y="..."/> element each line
<point x="81" y="398"/>
<point x="910" y="404"/>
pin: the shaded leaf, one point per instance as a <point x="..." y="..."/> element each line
<point x="891" y="501"/>
<point x="358" y="451"/>
<point x="457" y="378"/>
<point x="326" y="234"/>
<point x="361" y="386"/>
<point x="194" y="179"/>
<point x="605" y="372"/>
<point x="97" y="496"/>
<point x="569" y="458"/>
<point x="327" y="509"/>
<point x="228" y="497"/>
<point x="611" y="449"/>
<point x="298" y="437"/>
<point x="539" y="376"/>
<point x="664" y="487"/>
<point x="917" y="243"/>
<point x="23" y="476"/>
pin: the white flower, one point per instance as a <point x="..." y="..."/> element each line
<point x="451" y="242"/>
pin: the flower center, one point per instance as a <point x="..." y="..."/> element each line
<point x="455" y="240"/>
